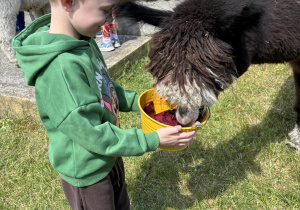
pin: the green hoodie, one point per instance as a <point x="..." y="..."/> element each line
<point x="78" y="104"/>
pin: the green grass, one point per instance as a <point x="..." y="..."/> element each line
<point x="238" y="160"/>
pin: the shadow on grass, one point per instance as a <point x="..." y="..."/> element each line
<point x="211" y="171"/>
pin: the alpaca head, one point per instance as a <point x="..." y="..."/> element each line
<point x="190" y="66"/>
<point x="193" y="56"/>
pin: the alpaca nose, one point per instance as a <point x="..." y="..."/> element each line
<point x="186" y="117"/>
<point x="182" y="111"/>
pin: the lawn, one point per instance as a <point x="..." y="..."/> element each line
<point x="237" y="161"/>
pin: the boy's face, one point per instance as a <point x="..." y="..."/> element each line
<point x="87" y="17"/>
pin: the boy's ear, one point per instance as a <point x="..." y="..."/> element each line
<point x="67" y="4"/>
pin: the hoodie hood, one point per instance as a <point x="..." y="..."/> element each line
<point x="35" y="48"/>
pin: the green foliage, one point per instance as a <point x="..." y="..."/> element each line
<point x="237" y="161"/>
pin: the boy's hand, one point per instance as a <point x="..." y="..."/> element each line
<point x="172" y="137"/>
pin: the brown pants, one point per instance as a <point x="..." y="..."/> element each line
<point x="108" y="194"/>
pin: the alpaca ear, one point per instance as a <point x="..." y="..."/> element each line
<point x="249" y="17"/>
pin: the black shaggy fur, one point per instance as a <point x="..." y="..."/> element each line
<point x="207" y="44"/>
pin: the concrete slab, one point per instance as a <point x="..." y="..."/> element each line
<point x="18" y="99"/>
<point x="132" y="48"/>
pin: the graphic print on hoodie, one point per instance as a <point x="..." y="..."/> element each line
<point x="109" y="100"/>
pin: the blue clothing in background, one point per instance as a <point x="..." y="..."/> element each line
<point x="20" y="22"/>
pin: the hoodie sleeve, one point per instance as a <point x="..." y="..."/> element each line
<point x="70" y="108"/>
<point x="83" y="125"/>
<point x="128" y="100"/>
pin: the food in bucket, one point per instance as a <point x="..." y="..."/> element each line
<point x="160" y="110"/>
<point x="151" y="104"/>
<point x="166" y="117"/>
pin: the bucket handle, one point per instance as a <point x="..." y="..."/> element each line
<point x="197" y="124"/>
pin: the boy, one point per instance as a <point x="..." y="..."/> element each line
<point x="79" y="104"/>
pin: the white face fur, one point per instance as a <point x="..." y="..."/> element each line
<point x="197" y="98"/>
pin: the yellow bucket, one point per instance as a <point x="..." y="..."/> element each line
<point x="149" y="124"/>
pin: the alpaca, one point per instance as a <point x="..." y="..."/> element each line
<point x="203" y="46"/>
<point x="8" y="15"/>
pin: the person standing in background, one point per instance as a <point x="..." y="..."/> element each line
<point x="110" y="39"/>
<point x="20" y="24"/>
